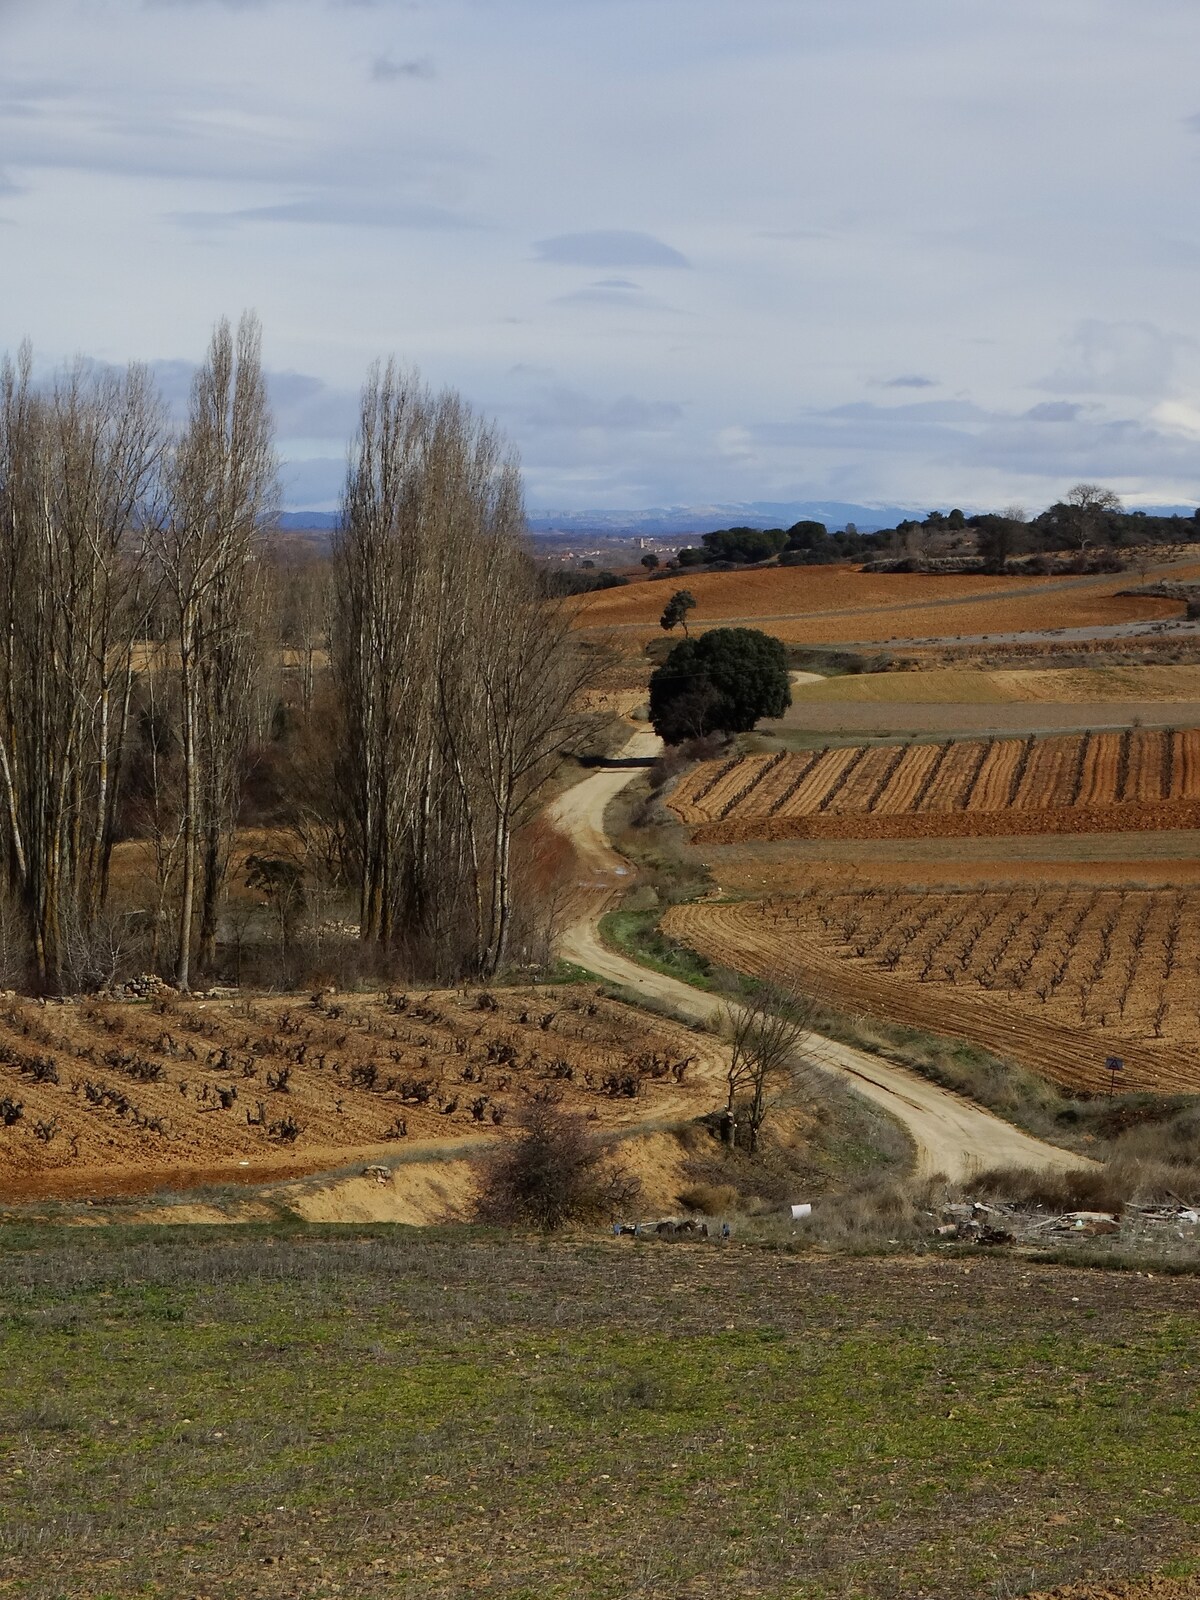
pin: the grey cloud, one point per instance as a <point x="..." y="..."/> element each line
<point x="315" y="483"/>
<point x="963" y="438"/>
<point x="911" y="380"/>
<point x="1054" y="411"/>
<point x="614" y="293"/>
<point x="615" y="247"/>
<point x="304" y="407"/>
<point x="385" y="70"/>
<point x="335" y="211"/>
<point x="563" y="408"/>
<point x="1130" y="358"/>
<point x="206" y="133"/>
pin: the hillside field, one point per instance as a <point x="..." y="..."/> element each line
<point x="1055" y="979"/>
<point x="842" y="605"/>
<point x="1105" y="782"/>
<point x="110" y="1097"/>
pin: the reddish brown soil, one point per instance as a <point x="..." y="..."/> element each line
<point x="822" y="605"/>
<point x="958" y="824"/>
<point x="1139" y="780"/>
<point x="1058" y="980"/>
<point x="121" y="1098"/>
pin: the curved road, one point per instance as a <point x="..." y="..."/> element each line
<point x="952" y="1135"/>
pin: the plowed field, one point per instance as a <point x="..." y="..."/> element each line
<point x="841" y="605"/>
<point x="1056" y="979"/>
<point x="1141" y="779"/>
<point x="111" y="1097"/>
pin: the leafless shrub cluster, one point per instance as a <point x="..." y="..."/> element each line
<point x="551" y="1173"/>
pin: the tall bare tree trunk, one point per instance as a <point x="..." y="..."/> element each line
<point x="223" y="492"/>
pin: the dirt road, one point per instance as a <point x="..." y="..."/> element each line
<point x="951" y="1134"/>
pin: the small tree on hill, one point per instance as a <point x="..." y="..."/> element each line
<point x="676" y="609"/>
<point x="722" y="682"/>
<point x="650" y="562"/>
<point x="764" y="1042"/>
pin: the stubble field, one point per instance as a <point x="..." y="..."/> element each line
<point x="1056" y="979"/>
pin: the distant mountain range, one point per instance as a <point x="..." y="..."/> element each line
<point x="664" y="521"/>
<point x="675" y="521"/>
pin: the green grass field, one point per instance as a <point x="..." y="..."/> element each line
<point x="382" y="1412"/>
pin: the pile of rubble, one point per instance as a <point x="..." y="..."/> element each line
<point x="146" y="987"/>
<point x="998" y="1223"/>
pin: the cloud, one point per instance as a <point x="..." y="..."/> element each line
<point x="909" y="381"/>
<point x="336" y="211"/>
<point x="1053" y="411"/>
<point x="601" y="296"/>
<point x="1116" y="358"/>
<point x="385" y="70"/>
<point x="615" y="247"/>
<point x="564" y="408"/>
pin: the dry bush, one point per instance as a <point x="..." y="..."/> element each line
<point x="1082" y="1189"/>
<point x="554" y="1172"/>
<point x="878" y="1209"/>
<point x="1119" y="1182"/>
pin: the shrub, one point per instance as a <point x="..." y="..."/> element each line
<point x="552" y="1173"/>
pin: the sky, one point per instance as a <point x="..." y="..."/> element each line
<point x="685" y="252"/>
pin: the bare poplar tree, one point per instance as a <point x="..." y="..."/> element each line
<point x="78" y="472"/>
<point x="223" y="489"/>
<point x="456" y="681"/>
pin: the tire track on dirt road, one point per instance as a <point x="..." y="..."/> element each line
<point x="952" y="1135"/>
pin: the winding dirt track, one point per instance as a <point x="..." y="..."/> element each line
<point x="951" y="1134"/>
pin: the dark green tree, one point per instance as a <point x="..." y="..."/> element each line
<point x="650" y="562"/>
<point x="722" y="682"/>
<point x="676" y="609"/>
<point x="744" y="545"/>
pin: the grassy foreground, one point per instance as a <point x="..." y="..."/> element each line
<point x="382" y="1412"/>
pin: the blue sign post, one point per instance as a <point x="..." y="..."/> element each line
<point x="1113" y="1065"/>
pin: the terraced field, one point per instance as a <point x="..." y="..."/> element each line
<point x="1140" y="779"/>
<point x="1056" y="979"/>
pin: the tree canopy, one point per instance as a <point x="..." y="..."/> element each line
<point x="676" y="610"/>
<point x="722" y="682"/>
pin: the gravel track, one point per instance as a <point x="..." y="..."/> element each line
<point x="951" y="1134"/>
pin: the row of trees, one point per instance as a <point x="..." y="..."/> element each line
<point x="142" y="627"/>
<point x="1089" y="517"/>
<point x="127" y="552"/>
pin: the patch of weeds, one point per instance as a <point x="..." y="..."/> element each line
<point x="341" y="1407"/>
<point x="637" y="934"/>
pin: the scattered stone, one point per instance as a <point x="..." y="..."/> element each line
<point x="149" y="986"/>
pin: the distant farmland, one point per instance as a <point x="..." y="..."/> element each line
<point x="1107" y="782"/>
<point x="1055" y="979"/>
